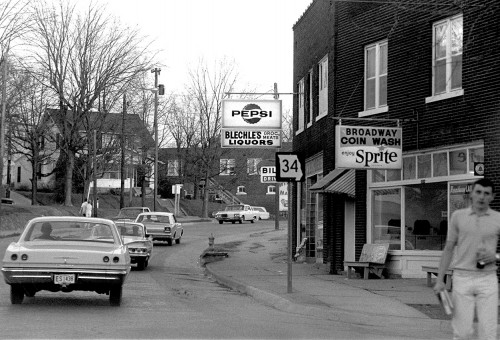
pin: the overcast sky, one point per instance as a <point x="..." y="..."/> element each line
<point x="256" y="34"/>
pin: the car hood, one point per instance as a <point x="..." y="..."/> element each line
<point x="64" y="253"/>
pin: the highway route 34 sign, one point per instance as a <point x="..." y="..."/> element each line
<point x="289" y="168"/>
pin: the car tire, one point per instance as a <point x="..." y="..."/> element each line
<point x="220" y="222"/>
<point x="241" y="221"/>
<point x="233" y="222"/>
<point x="141" y="265"/>
<point x="16" y="294"/>
<point x="169" y="241"/>
<point x="177" y="241"/>
<point x="115" y="296"/>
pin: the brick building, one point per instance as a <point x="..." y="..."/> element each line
<point x="238" y="179"/>
<point x="428" y="68"/>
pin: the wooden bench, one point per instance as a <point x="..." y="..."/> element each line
<point x="434" y="271"/>
<point x="372" y="260"/>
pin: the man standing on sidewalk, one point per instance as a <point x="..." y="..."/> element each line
<point x="474" y="232"/>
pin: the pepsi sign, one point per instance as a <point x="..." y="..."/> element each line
<point x="251" y="114"/>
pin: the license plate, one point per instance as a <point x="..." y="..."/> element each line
<point x="64" y="279"/>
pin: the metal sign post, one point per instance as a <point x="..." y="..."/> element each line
<point x="289" y="168"/>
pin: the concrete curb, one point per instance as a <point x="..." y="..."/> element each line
<point x="337" y="315"/>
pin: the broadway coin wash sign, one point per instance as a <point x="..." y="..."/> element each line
<point x="367" y="147"/>
<point x="251" y="124"/>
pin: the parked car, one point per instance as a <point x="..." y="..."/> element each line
<point x="67" y="253"/>
<point x="130" y="213"/>
<point x="236" y="213"/>
<point x="139" y="246"/>
<point x="161" y="226"/>
<point x="262" y="213"/>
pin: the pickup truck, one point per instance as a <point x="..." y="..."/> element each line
<point x="237" y="213"/>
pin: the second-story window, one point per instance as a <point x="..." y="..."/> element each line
<point x="173" y="167"/>
<point x="376" y="75"/>
<point x="323" y="87"/>
<point x="271" y="190"/>
<point x="227" y="167"/>
<point x="252" y="166"/>
<point x="301" y="97"/>
<point x="240" y="190"/>
<point x="447" y="55"/>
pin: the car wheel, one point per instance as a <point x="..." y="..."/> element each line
<point x="146" y="262"/>
<point x="233" y="222"/>
<point x="177" y="241"/>
<point x="241" y="221"/>
<point x="141" y="265"/>
<point x="16" y="294"/>
<point x="220" y="222"/>
<point x="169" y="241"/>
<point x="253" y="219"/>
<point x="115" y="296"/>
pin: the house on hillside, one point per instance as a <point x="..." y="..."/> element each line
<point x="238" y="178"/>
<point x="102" y="132"/>
<point x="428" y="69"/>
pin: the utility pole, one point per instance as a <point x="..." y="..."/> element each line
<point x="2" y="124"/>
<point x="156" y="71"/>
<point x="122" y="165"/>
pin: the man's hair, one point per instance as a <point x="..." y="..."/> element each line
<point x="484" y="182"/>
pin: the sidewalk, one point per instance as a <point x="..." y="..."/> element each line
<point x="258" y="267"/>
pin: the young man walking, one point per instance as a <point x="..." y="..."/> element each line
<point x="474" y="233"/>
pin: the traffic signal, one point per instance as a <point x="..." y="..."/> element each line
<point x="161" y="89"/>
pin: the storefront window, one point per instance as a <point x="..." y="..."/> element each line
<point x="458" y="162"/>
<point x="426" y="216"/>
<point x="311" y="215"/>
<point x="475" y="155"/>
<point x="393" y="175"/>
<point x="386" y="214"/>
<point x="424" y="166"/>
<point x="440" y="164"/>
<point x="409" y="167"/>
<point x="378" y="175"/>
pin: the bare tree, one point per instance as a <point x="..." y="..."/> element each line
<point x="28" y="130"/>
<point x="207" y="89"/>
<point x="84" y="55"/>
<point x="287" y="126"/>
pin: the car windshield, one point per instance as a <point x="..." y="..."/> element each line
<point x="129" y="213"/>
<point x="234" y="207"/>
<point x="70" y="231"/>
<point x="130" y="230"/>
<point x="154" y="219"/>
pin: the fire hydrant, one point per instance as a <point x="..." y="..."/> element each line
<point x="211" y="239"/>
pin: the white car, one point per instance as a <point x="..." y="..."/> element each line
<point x="236" y="213"/>
<point x="67" y="253"/>
<point x="161" y="226"/>
<point x="261" y="212"/>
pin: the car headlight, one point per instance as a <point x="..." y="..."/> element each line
<point x="236" y="215"/>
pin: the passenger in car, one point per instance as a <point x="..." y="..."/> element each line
<point x="46" y="232"/>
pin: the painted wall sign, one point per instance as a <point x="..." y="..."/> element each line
<point x="368" y="147"/>
<point x="251" y="114"/>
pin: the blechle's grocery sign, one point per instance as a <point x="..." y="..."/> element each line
<point x="251" y="123"/>
<point x="368" y="147"/>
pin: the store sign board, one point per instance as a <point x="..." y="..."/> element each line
<point x="368" y="147"/>
<point x="268" y="174"/>
<point x="253" y="114"/>
<point x="250" y="138"/>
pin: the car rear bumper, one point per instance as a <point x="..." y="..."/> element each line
<point x="82" y="277"/>
<point x="228" y="219"/>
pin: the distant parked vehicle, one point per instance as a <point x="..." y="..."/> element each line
<point x="262" y="213"/>
<point x="140" y="247"/>
<point x="236" y="213"/>
<point x="130" y="213"/>
<point x="161" y="226"/>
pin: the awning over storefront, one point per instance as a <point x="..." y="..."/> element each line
<point x="325" y="181"/>
<point x="338" y="181"/>
<point x="345" y="184"/>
